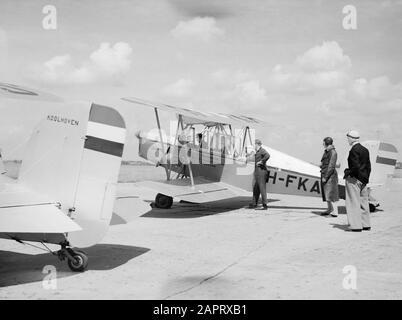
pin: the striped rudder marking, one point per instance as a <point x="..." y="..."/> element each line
<point x="387" y="154"/>
<point x="106" y="131"/>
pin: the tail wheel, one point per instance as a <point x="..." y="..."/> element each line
<point x="80" y="262"/>
<point x="163" y="202"/>
<point x="372" y="207"/>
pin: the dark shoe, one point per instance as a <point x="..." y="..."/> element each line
<point x="367" y="228"/>
<point x="252" y="206"/>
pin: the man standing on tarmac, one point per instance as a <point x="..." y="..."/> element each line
<point x="357" y="177"/>
<point x="260" y="177"/>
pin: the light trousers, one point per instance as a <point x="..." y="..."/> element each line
<point x="357" y="205"/>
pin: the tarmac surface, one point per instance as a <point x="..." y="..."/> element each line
<point x="223" y="251"/>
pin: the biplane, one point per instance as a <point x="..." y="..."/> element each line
<point x="66" y="187"/>
<point x="206" y="158"/>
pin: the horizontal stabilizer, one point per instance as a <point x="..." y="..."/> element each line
<point x="45" y="218"/>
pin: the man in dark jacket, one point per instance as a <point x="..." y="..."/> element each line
<point x="329" y="177"/>
<point x="357" y="177"/>
<point x="260" y="176"/>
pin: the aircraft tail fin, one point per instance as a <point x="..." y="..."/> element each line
<point x="74" y="157"/>
<point x="383" y="158"/>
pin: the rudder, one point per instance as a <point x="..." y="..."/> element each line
<point x="100" y="166"/>
<point x="383" y="158"/>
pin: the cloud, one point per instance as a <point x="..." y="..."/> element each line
<point x="327" y="57"/>
<point x="326" y="71"/>
<point x="376" y="96"/>
<point x="320" y="80"/>
<point x="203" y="28"/>
<point x="213" y="8"/>
<point x="180" y="88"/>
<point x="251" y="91"/>
<point x="321" y="67"/>
<point x="317" y="94"/>
<point x="238" y="88"/>
<point x="379" y="88"/>
<point x="107" y="63"/>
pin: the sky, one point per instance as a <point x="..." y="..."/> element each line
<point x="292" y="64"/>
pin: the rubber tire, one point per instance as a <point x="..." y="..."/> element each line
<point x="372" y="207"/>
<point x="163" y="202"/>
<point x="82" y="262"/>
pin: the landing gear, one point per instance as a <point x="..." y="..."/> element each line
<point x="163" y="202"/>
<point x="76" y="260"/>
<point x="80" y="262"/>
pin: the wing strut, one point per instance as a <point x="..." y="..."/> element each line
<point x="179" y="122"/>
<point x="191" y="174"/>
<point x="160" y="136"/>
<point x="244" y="140"/>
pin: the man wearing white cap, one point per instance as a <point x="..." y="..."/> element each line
<point x="357" y="177"/>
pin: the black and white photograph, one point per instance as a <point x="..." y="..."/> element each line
<point x="215" y="150"/>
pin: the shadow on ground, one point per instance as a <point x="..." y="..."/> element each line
<point x="188" y="210"/>
<point x="343" y="227"/>
<point x="134" y="208"/>
<point x="298" y="208"/>
<point x="19" y="268"/>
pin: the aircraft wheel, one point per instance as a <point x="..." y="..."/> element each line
<point x="163" y="202"/>
<point x="80" y="262"/>
<point x="372" y="207"/>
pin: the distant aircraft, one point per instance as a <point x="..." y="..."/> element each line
<point x="213" y="165"/>
<point x="67" y="183"/>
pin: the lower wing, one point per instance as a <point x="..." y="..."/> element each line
<point x="203" y="190"/>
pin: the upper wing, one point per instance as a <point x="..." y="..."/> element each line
<point x="198" y="117"/>
<point x="181" y="189"/>
<point x="13" y="91"/>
